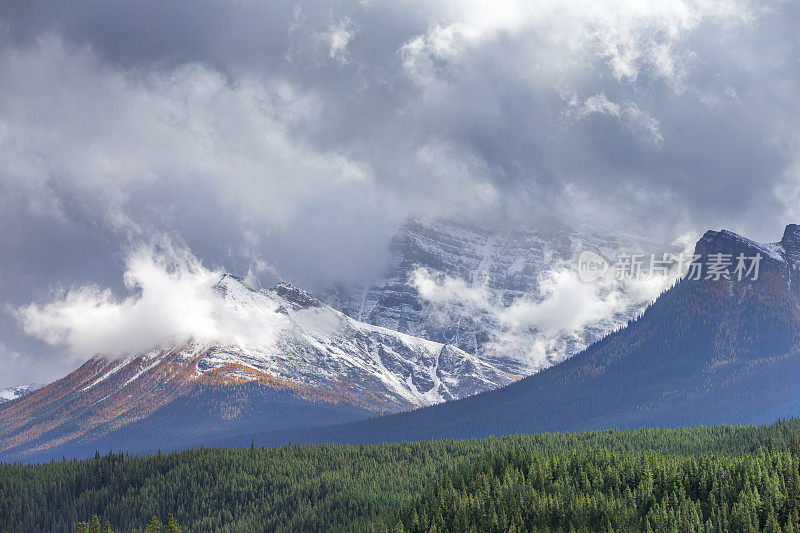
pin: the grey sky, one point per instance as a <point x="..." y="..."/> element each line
<point x="292" y="139"/>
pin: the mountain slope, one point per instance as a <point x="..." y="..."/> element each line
<point x="506" y="265"/>
<point x="319" y="367"/>
<point x="707" y="351"/>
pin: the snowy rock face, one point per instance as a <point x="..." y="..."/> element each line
<point x="316" y="348"/>
<point x="503" y="266"/>
<point x="319" y="347"/>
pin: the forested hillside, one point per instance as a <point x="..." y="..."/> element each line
<point x="722" y="476"/>
<point x="597" y="490"/>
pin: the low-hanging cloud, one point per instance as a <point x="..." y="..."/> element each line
<point x="539" y="329"/>
<point x="172" y="301"/>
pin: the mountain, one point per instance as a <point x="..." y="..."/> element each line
<point x="320" y="367"/>
<point x="707" y="351"/>
<point x="710" y="350"/>
<point x="507" y="266"/>
<point x="12" y="393"/>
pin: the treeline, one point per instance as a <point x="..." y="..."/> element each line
<point x="598" y="490"/>
<point x="555" y="481"/>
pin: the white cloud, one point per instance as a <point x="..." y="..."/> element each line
<point x="339" y="36"/>
<point x="8" y="356"/>
<point x="312" y="46"/>
<point x="425" y="56"/>
<point x="537" y="329"/>
<point x="640" y="124"/>
<point x="172" y="300"/>
<point x="448" y="295"/>
<point x="629" y="37"/>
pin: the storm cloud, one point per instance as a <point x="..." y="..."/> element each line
<point x="290" y="140"/>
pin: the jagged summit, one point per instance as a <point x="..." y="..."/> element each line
<point x="235" y="287"/>
<point x="295" y="295"/>
<point x="791" y="238"/>
<point x="228" y="282"/>
<point x="773" y="255"/>
<point x="331" y="346"/>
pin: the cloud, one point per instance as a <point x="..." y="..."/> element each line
<point x="449" y="296"/>
<point x="639" y="123"/>
<point x="631" y="38"/>
<point x="557" y="321"/>
<point x="365" y="115"/>
<point x="8" y="356"/>
<point x="172" y="300"/>
<point x="290" y="140"/>
<point x="339" y="36"/>
<point x="142" y="153"/>
<point x="427" y="55"/>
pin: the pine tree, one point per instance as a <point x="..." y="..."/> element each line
<point x="794" y="446"/>
<point x="172" y="525"/>
<point x="154" y="526"/>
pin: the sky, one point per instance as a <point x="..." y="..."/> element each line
<point x="288" y="141"/>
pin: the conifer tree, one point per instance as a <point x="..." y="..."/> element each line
<point x="172" y="525"/>
<point x="154" y="526"/>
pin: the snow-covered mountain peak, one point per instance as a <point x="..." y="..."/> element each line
<point x="295" y="295"/>
<point x="285" y="334"/>
<point x="475" y="275"/>
<point x="235" y="290"/>
<point x="12" y="393"/>
<point x="233" y="287"/>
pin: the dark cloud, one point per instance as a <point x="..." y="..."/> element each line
<point x="291" y="140"/>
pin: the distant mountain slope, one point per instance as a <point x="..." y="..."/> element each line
<point x="507" y="265"/>
<point x="12" y="393"/>
<point x="706" y="352"/>
<point x="322" y="367"/>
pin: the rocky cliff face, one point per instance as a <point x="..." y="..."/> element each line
<point x="505" y="265"/>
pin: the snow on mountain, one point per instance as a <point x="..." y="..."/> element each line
<point x="313" y="365"/>
<point x="484" y="274"/>
<point x="12" y="393"/>
<point x="320" y="348"/>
